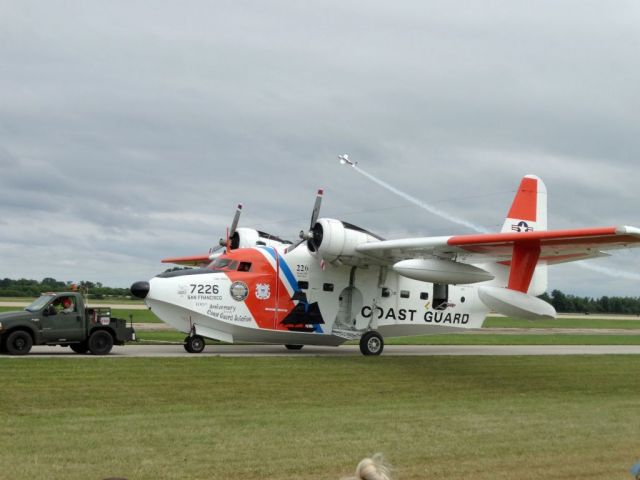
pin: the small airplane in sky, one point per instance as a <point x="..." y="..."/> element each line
<point x="339" y="282"/>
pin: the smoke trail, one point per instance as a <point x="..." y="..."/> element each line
<point x="460" y="221"/>
<point x="609" y="271"/>
<point x="420" y="203"/>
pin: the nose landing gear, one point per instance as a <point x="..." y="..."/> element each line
<point x="371" y="343"/>
<point x="194" y="344"/>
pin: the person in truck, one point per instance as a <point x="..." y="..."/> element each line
<point x="67" y="305"/>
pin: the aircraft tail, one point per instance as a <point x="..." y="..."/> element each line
<point x="528" y="213"/>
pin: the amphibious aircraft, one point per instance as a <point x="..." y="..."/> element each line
<point x="340" y="282"/>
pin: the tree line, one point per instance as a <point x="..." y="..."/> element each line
<point x="563" y="303"/>
<point x="34" y="288"/>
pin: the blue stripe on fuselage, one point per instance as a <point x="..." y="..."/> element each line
<point x="293" y="283"/>
<point x="289" y="276"/>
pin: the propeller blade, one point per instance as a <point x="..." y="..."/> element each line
<point x="291" y="248"/>
<point x="216" y="252"/>
<point x="230" y="231"/>
<point x="236" y="218"/>
<point x="316" y="209"/>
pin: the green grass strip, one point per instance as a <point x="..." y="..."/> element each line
<point x="436" y="418"/>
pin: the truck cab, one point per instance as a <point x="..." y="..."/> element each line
<point x="62" y="319"/>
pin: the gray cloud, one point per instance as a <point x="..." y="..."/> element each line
<point x="129" y="130"/>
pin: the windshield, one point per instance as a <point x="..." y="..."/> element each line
<point x="39" y="303"/>
<point x="223" y="264"/>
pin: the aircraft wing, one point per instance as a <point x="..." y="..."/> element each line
<point x="193" y="261"/>
<point x="556" y="246"/>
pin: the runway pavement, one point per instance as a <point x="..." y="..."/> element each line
<point x="150" y="351"/>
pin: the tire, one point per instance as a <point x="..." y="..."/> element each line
<point x="294" y="347"/>
<point x="100" y="342"/>
<point x="194" y="344"/>
<point x="18" y="343"/>
<point x="79" y="347"/>
<point x="371" y="343"/>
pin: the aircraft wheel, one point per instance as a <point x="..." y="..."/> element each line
<point x="18" y="343"/>
<point x="194" y="344"/>
<point x="81" y="347"/>
<point x="294" y="347"/>
<point x="371" y="343"/>
<point x="100" y="342"/>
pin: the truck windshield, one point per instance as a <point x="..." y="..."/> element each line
<point x="39" y="303"/>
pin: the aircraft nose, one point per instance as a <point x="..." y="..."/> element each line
<point x="140" y="289"/>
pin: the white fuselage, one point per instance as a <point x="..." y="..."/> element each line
<point x="290" y="299"/>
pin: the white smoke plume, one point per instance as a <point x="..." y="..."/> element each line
<point x="421" y="204"/>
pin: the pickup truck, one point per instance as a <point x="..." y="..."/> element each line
<point x="62" y="319"/>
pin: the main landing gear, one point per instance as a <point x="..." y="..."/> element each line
<point x="194" y="344"/>
<point x="371" y="343"/>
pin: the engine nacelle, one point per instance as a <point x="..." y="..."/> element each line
<point x="249" y="237"/>
<point x="337" y="241"/>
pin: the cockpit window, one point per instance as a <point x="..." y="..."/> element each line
<point x="223" y="264"/>
<point x="39" y="303"/>
<point x="244" y="267"/>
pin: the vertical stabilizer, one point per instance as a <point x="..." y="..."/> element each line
<point x="528" y="212"/>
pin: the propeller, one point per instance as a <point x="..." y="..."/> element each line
<point x="232" y="230"/>
<point x="226" y="243"/>
<point x="313" y="236"/>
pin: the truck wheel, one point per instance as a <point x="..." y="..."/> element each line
<point x="100" y="342"/>
<point x="371" y="343"/>
<point x="79" y="347"/>
<point x="294" y="347"/>
<point x="19" y="343"/>
<point x="194" y="344"/>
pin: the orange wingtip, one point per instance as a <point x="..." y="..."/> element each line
<point x="192" y="260"/>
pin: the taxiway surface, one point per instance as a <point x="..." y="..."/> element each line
<point x="149" y="351"/>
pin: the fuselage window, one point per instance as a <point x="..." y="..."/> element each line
<point x="404" y="293"/>
<point x="327" y="287"/>
<point x="302" y="285"/>
<point x="385" y="292"/>
<point x="244" y="267"/>
<point x="424" y="296"/>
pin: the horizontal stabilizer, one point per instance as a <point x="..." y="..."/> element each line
<point x="515" y="304"/>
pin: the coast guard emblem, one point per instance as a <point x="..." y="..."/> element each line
<point x="263" y="292"/>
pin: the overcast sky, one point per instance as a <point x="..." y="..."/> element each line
<point x="129" y="130"/>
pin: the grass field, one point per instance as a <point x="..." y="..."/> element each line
<point x="578" y="322"/>
<point x="314" y="418"/>
<point x="117" y="300"/>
